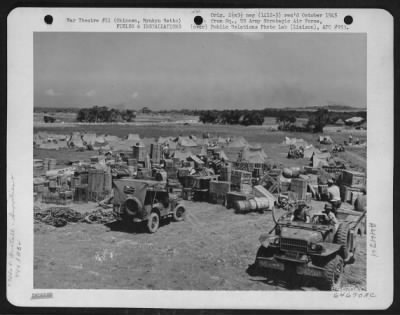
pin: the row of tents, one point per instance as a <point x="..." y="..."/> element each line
<point x="44" y="140"/>
<point x="183" y="147"/>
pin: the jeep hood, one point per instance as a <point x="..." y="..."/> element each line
<point x="301" y="234"/>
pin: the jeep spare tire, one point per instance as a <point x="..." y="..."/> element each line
<point x="153" y="222"/>
<point x="133" y="205"/>
<point x="178" y="213"/>
<point x="342" y="237"/>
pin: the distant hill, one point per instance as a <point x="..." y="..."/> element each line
<point x="339" y="108"/>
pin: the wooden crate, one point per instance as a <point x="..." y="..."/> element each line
<point x="346" y="193"/>
<point x="246" y="188"/>
<point x="187" y="181"/>
<point x="218" y="198"/>
<point x="239" y="177"/>
<point x="139" y="152"/>
<point x="299" y="186"/>
<point x="220" y="187"/>
<point x="202" y="182"/>
<point x="353" y="179"/>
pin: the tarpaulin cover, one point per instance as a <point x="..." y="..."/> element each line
<point x="139" y="188"/>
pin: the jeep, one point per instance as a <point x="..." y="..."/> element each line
<point x="145" y="201"/>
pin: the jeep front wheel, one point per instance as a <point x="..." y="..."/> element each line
<point x="178" y="213"/>
<point x="153" y="222"/>
<point x="333" y="273"/>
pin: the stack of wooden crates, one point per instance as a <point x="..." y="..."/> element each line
<point x="155" y="153"/>
<point x="99" y="184"/>
<point x="241" y="181"/>
<point x="351" y="184"/>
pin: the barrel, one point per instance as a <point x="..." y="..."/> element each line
<point x="262" y="203"/>
<point x="295" y="171"/>
<point x="242" y="206"/>
<point x="287" y="172"/>
<point x="253" y="204"/>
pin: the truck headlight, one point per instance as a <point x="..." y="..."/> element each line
<point x="267" y="240"/>
<point x="315" y="247"/>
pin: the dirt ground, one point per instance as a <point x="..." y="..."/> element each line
<point x="210" y="250"/>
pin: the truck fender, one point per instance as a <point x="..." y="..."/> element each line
<point x="329" y="249"/>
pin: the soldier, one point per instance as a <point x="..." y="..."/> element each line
<point x="301" y="213"/>
<point x="334" y="194"/>
<point x="330" y="216"/>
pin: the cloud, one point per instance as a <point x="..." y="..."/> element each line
<point x="251" y="35"/>
<point x="51" y="92"/>
<point x="135" y="95"/>
<point x="90" y="93"/>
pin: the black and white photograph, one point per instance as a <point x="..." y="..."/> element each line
<point x="201" y="161"/>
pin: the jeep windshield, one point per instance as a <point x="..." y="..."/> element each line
<point x="304" y="225"/>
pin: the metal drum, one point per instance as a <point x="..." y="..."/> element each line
<point x="253" y="204"/>
<point x="262" y="203"/>
<point x="242" y="206"/>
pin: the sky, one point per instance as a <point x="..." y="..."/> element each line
<point x="199" y="71"/>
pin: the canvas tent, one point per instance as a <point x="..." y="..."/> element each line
<point x="238" y="142"/>
<point x="182" y="155"/>
<point x="309" y="151"/>
<point x="339" y="122"/>
<point x="320" y="159"/>
<point x="294" y="141"/>
<point x="76" y="140"/>
<point x="223" y="156"/>
<point x="186" y="142"/>
<point x="89" y="138"/>
<point x="134" y="137"/>
<point x="354" y="120"/>
<point x="110" y="138"/>
<point x="254" y="155"/>
<point x="325" y="140"/>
